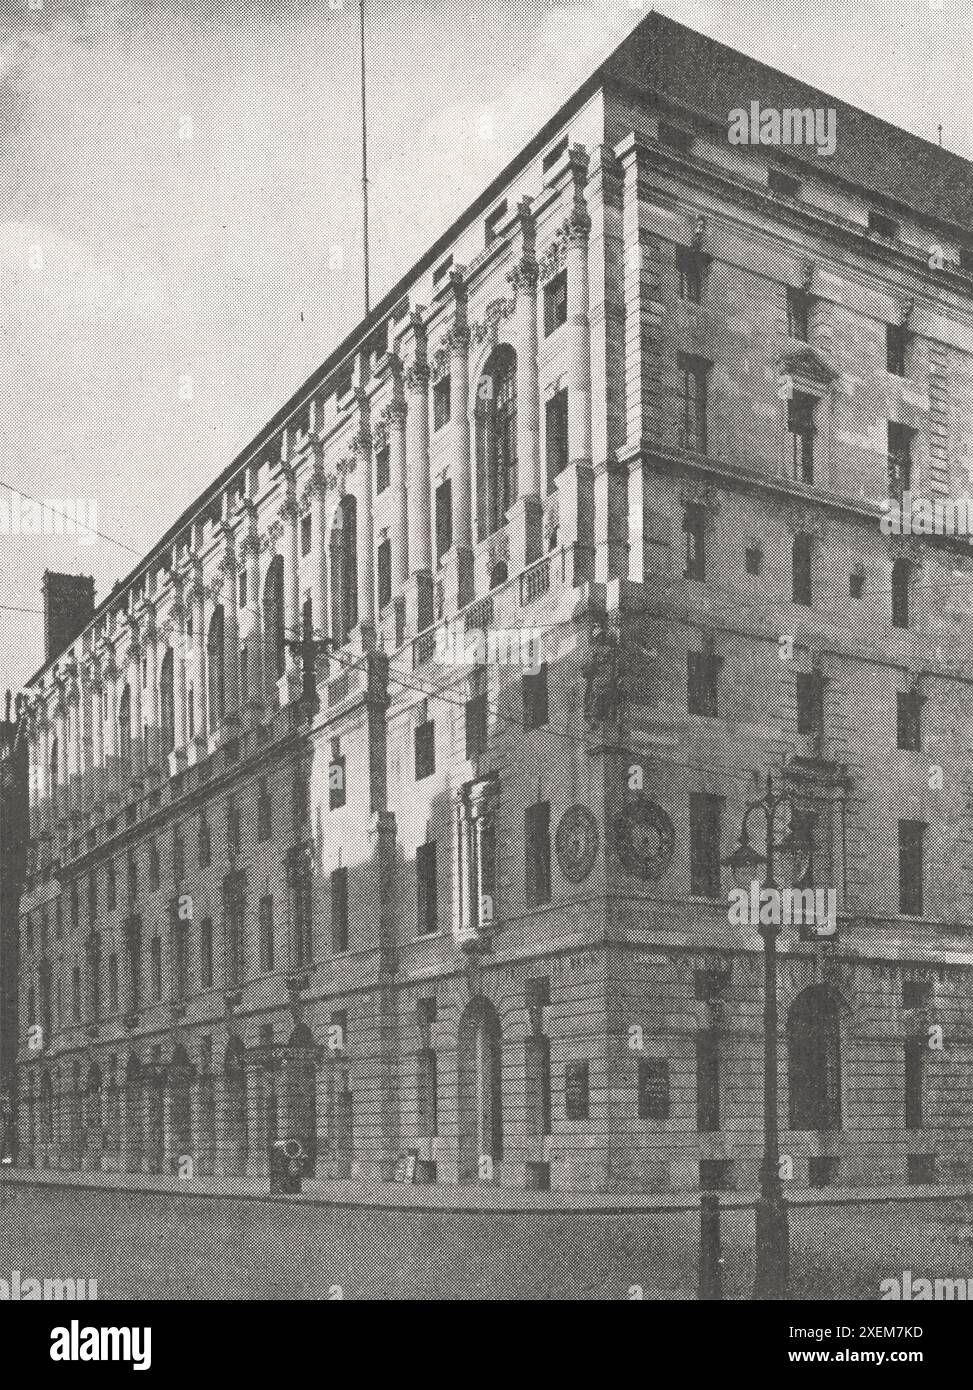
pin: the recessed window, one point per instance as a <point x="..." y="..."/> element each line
<point x="798" y="307"/>
<point x="336" y="778"/>
<point x="900" y="459"/>
<point x="555" y="302"/>
<point x="707" y="1081"/>
<point x="382" y="467"/>
<point x="264" y="810"/>
<point x="339" y="910"/>
<point x="754" y="559"/>
<point x="267" y="933"/>
<point x="705" y="826"/>
<point x="537" y="838"/>
<point x="779" y="182"/>
<point x="856" y="583"/>
<point x="896" y="342"/>
<point x="901" y="585"/>
<point x="703" y="672"/>
<point x="911" y="838"/>
<point x="425" y="750"/>
<point x="921" y="1169"/>
<point x="882" y="225"/>
<point x="694" y="525"/>
<point x="694" y="373"/>
<point x="534" y="698"/>
<point x="441" y="402"/>
<point x="306" y="534"/>
<point x="556" y="436"/>
<point x="801" y="574"/>
<point x="476" y="726"/>
<point x="909" y="720"/>
<point x="576" y="1091"/>
<point x="915" y="1060"/>
<point x="916" y="994"/>
<point x="384" y="569"/>
<point x="810" y="704"/>
<point x="692" y="274"/>
<point x="653" y="1084"/>
<point x="822" y="1171"/>
<point x="800" y="424"/>
<point x="444" y="519"/>
<point x="206" y="953"/>
<point x="426" y="896"/>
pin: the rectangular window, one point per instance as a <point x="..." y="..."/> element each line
<point x="180" y="963"/>
<point x="654" y="1089"/>
<point x="92" y="896"/>
<point x="901" y="584"/>
<point x="694" y="525"/>
<point x="800" y="424"/>
<point x="383" y="458"/>
<point x="921" y="1169"/>
<point x="705" y="816"/>
<point x="900" y="459"/>
<point x="802" y="589"/>
<point x="715" y="1174"/>
<point x="493" y="222"/>
<point x="267" y="933"/>
<point x="779" y="182"/>
<point x="798" y="305"/>
<point x="916" y="994"/>
<point x="425" y="750"/>
<point x="111" y="894"/>
<point x="707" y="1082"/>
<point x="205" y="841"/>
<point x="537" y="1085"/>
<point x="426" y="898"/>
<point x="339" y="910"/>
<point x="76" y="994"/>
<point x="232" y="827"/>
<point x="476" y="726"/>
<point x="178" y="855"/>
<point x="441" y="399"/>
<point x="264" y="810"/>
<point x="154" y="869"/>
<point x="909" y="720"/>
<point x="810" y="704"/>
<point x="556" y="436"/>
<point x="75" y="907"/>
<point x="692" y="270"/>
<point x="133" y="879"/>
<point x="882" y="225"/>
<point x="113" y="985"/>
<point x="155" y="966"/>
<point x="384" y="569"/>
<point x="576" y="1096"/>
<point x="537" y="839"/>
<point x="915" y="1053"/>
<point x="337" y="779"/>
<point x="694" y="372"/>
<point x="427" y="1097"/>
<point x="206" y="953"/>
<point x="703" y="673"/>
<point x="300" y="944"/>
<point x="555" y="303"/>
<point x="534" y="697"/>
<point x="896" y="341"/>
<point x="306" y="534"/>
<point x="444" y="520"/>
<point x="911" y="833"/>
<point x="134" y="944"/>
<point x="234" y="925"/>
<point x="822" y="1171"/>
<point x="301" y="798"/>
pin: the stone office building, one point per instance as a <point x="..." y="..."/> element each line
<point x="589" y="511"/>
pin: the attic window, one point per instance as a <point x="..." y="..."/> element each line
<point x="882" y="225"/>
<point x="779" y="182"/>
<point x="553" y="155"/>
<point x="674" y="137"/>
<point x="493" y="222"/>
<point x="442" y="270"/>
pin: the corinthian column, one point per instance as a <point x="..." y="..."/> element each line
<point x="419" y="609"/>
<point x="459" y="563"/>
<point x="315" y="495"/>
<point x="577" y="229"/>
<point x="231" y="632"/>
<point x="365" y="511"/>
<point x="289" y="685"/>
<point x="198" y="603"/>
<point x="400" y="537"/>
<point x="525" y="514"/>
<point x="250" y="555"/>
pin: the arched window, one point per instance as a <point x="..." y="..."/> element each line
<point x="214" y="667"/>
<point x="343" y="548"/>
<point x="276" y="658"/>
<point x="814" y="1060"/>
<point x="125" y="726"/>
<point x="496" y="441"/>
<point x="901" y="583"/>
<point x="167" y="704"/>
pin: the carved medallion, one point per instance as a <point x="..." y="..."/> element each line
<point x="644" y="839"/>
<point x="576" y="843"/>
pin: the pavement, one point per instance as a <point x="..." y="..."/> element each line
<point x="357" y="1193"/>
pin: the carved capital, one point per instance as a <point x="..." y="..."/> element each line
<point x="417" y="376"/>
<point x="524" y="276"/>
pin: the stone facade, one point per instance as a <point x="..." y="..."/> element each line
<point x="580" y="427"/>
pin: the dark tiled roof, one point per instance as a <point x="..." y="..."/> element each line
<point x="697" y="72"/>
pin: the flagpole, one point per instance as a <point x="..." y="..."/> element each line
<point x="364" y="155"/>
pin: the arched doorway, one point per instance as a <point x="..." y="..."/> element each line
<point x="814" y="1060"/>
<point x="180" y="1110"/>
<point x="133" y="1115"/>
<point x="480" y="1101"/>
<point x="496" y="441"/>
<point x="235" y="1108"/>
<point x="275" y="659"/>
<point x="300" y="1094"/>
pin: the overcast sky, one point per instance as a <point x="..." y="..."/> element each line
<point x="176" y="178"/>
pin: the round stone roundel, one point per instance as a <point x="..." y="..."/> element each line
<point x="644" y="839"/>
<point x="576" y="843"/>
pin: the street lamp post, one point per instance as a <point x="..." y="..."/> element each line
<point x="771" y="1223"/>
